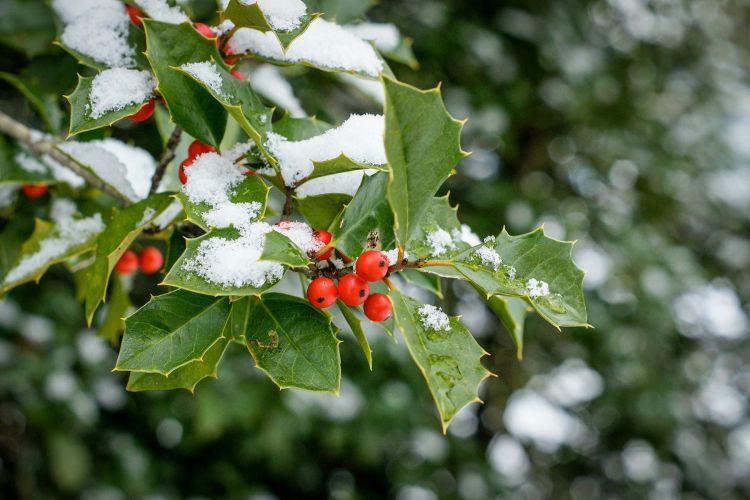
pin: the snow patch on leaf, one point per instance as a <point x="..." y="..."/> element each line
<point x="118" y="88"/>
<point x="162" y="11"/>
<point x="206" y="73"/>
<point x="101" y="32"/>
<point x="433" y="318"/>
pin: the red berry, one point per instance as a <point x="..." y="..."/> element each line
<point x="127" y="263"/>
<point x="236" y="73"/>
<point x="206" y="31"/>
<point x="181" y="171"/>
<point x="34" y="190"/>
<point x="322" y="292"/>
<point x="150" y="260"/>
<point x="198" y="148"/>
<point x="324" y="237"/>
<point x="353" y="290"/>
<point x="378" y="307"/>
<point x="135" y="14"/>
<point x="372" y="265"/>
<point x="144" y="113"/>
<point x="228" y="53"/>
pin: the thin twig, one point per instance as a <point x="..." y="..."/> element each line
<point x="288" y="203"/>
<point x="41" y="145"/>
<point x="167" y="156"/>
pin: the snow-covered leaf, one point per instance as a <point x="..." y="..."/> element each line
<point x="251" y="15"/>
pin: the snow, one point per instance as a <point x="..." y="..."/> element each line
<point x="168" y="215"/>
<point x="206" y="73"/>
<point x="162" y="11"/>
<point x="440" y="241"/>
<point x="345" y="183"/>
<point x="117" y="88"/>
<point x="148" y="214"/>
<point x="268" y="81"/>
<point x="385" y="35"/>
<point x="236" y="262"/>
<point x="323" y="44"/>
<point x="489" y="257"/>
<point x="282" y="15"/>
<point x="49" y="166"/>
<point x="301" y="235"/>
<point x="360" y="138"/>
<point x="69" y="10"/>
<point x="433" y="318"/>
<point x="8" y="194"/>
<point x="536" y="288"/>
<point x="67" y="233"/>
<point x="211" y="179"/>
<point x="103" y="163"/>
<point x="466" y="235"/>
<point x="101" y="33"/>
<point x="224" y="27"/>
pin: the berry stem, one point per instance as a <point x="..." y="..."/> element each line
<point x="166" y="157"/>
<point x="389" y="284"/>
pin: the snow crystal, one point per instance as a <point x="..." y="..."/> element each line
<point x="237" y="151"/>
<point x="371" y="88"/>
<point x="67" y="233"/>
<point x="337" y="263"/>
<point x="268" y="82"/>
<point x="117" y="88"/>
<point x="433" y="318"/>
<point x="489" y="239"/>
<point x="324" y="44"/>
<point x="466" y="235"/>
<point x="360" y="138"/>
<point x="236" y="262"/>
<point x="101" y="33"/>
<point x="211" y="179"/>
<point x="510" y="271"/>
<point x="440" y="241"/>
<point x="385" y="35"/>
<point x="489" y="257"/>
<point x="537" y="288"/>
<point x="282" y="15"/>
<point x="162" y="11"/>
<point x="206" y="72"/>
<point x="301" y="235"/>
<point x="392" y="256"/>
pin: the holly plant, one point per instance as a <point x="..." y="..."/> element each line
<point x="268" y="228"/>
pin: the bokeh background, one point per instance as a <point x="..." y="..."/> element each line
<point x="623" y="124"/>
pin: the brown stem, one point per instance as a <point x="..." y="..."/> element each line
<point x="288" y="203"/>
<point x="39" y="144"/>
<point x="167" y="156"/>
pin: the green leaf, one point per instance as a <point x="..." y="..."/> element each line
<point x="439" y="214"/>
<point x="344" y="11"/>
<point x="338" y="165"/>
<point x="279" y="250"/>
<point x="251" y="189"/>
<point x="190" y="105"/>
<point x="403" y="53"/>
<point x="49" y="244"/>
<point x="245" y="15"/>
<point x="422" y="143"/>
<point x="119" y="303"/>
<point x="449" y="360"/>
<point x="185" y="377"/>
<point x="321" y="210"/>
<point x="512" y="313"/>
<point x="299" y="129"/>
<point x="294" y="343"/>
<point x="26" y="26"/>
<point x="80" y="118"/>
<point x="244" y="105"/>
<point x="136" y="40"/>
<point x="356" y="326"/>
<point x="429" y="282"/>
<point x="122" y="229"/>
<point x="171" y="331"/>
<point x="368" y="211"/>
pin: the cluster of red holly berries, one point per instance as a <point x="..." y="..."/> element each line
<point x="136" y="17"/>
<point x="354" y="288"/>
<point x="150" y="260"/>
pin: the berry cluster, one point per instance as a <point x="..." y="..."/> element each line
<point x="353" y="289"/>
<point x="136" y="17"/>
<point x="150" y="260"/>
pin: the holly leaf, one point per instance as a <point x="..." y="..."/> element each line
<point x="119" y="303"/>
<point x="171" y="331"/>
<point x="439" y="215"/>
<point x="239" y="100"/>
<point x="321" y="210"/>
<point x="338" y="165"/>
<point x="251" y="189"/>
<point x="290" y="340"/>
<point x="368" y="211"/>
<point x="190" y="105"/>
<point x="50" y="244"/>
<point x="278" y="249"/>
<point x="449" y="360"/>
<point x="249" y="15"/>
<point x="422" y="143"/>
<point x="122" y="229"/>
<point x="80" y="109"/>
<point x="356" y="326"/>
<point x="185" y="377"/>
<point x="511" y="312"/>
<point x="299" y="129"/>
<point x="344" y="11"/>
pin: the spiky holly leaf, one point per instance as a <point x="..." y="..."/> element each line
<point x="449" y="360"/>
<point x="277" y="250"/>
<point x="185" y="377"/>
<point x="250" y="15"/>
<point x="290" y="340"/>
<point x="422" y="143"/>
<point x="123" y="227"/>
<point x="171" y="331"/>
<point x="169" y="46"/>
